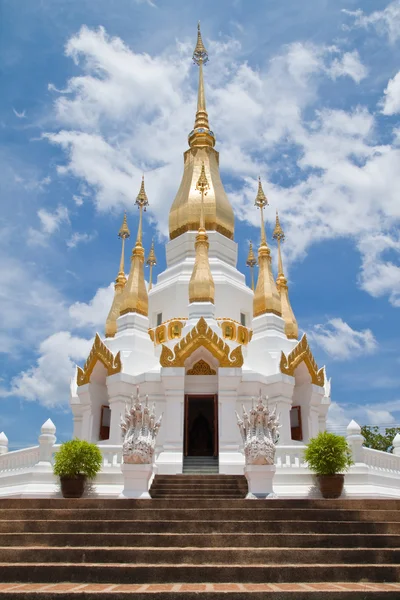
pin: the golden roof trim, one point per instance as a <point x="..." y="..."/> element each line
<point x="302" y="353"/>
<point x="201" y="367"/>
<point x="99" y="352"/>
<point x="201" y="335"/>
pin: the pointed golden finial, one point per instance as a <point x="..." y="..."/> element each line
<point x="266" y="295"/>
<point x="251" y="262"/>
<point x="291" y="327"/>
<point x="135" y="298"/>
<point x="151" y="262"/>
<point x="201" y="134"/>
<point x="111" y="322"/>
<point x="201" y="285"/>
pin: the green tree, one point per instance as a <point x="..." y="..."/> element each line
<point x="377" y="440"/>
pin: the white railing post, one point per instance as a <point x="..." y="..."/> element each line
<point x="355" y="441"/>
<point x="3" y="443"/>
<point x="47" y="439"/>
<point x="396" y="445"/>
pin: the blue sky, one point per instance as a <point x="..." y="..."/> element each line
<point x="307" y="94"/>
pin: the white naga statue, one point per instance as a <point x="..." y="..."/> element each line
<point x="139" y="429"/>
<point x="259" y="431"/>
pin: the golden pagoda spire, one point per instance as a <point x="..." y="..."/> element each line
<point x="135" y="298"/>
<point x="111" y="322"/>
<point x="201" y="285"/>
<point x="251" y="262"/>
<point x="266" y="295"/>
<point x="184" y="214"/>
<point x="291" y="327"/>
<point x="151" y="262"/>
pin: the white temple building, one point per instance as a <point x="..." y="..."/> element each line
<point x="200" y="342"/>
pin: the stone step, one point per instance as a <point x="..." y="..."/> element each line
<point x="198" y="526"/>
<point x="197" y="493"/>
<point x="253" y="511"/>
<point x="176" y="573"/>
<point x="113" y="503"/>
<point x="232" y="591"/>
<point x="200" y="540"/>
<point x="200" y="556"/>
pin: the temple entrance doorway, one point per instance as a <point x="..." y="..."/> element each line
<point x="201" y="425"/>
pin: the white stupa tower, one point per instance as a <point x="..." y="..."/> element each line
<point x="200" y="342"/>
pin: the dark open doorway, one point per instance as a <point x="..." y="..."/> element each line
<point x="201" y="425"/>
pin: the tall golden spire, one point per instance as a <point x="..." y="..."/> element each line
<point x="135" y="298"/>
<point x="266" y="296"/>
<point x="151" y="262"/>
<point x="251" y="262"/>
<point x="201" y="285"/>
<point x="185" y="210"/>
<point x="111" y="322"/>
<point x="291" y="327"/>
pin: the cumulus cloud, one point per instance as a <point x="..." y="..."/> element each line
<point x="48" y="381"/>
<point x="391" y="100"/>
<point x="50" y="222"/>
<point x="382" y="414"/>
<point x="341" y="342"/>
<point x="386" y="21"/>
<point x="94" y="312"/>
<point x="79" y="238"/>
<point x="349" y="64"/>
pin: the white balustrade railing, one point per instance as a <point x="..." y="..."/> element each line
<point x="290" y="457"/>
<point x="112" y="456"/>
<point x="383" y="461"/>
<point x="19" y="459"/>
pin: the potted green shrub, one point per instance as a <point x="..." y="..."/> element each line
<point x="329" y="456"/>
<point x="74" y="463"/>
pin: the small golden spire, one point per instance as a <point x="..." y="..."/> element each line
<point x="251" y="262"/>
<point x="151" y="262"/>
<point x="135" y="298"/>
<point x="201" y="285"/>
<point x="111" y="322"/>
<point x="291" y="327"/>
<point x="266" y="295"/>
<point x="201" y="134"/>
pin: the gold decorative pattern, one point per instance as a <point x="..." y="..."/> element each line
<point x="302" y="353"/>
<point x="201" y="368"/>
<point x="174" y="329"/>
<point x="111" y="322"/>
<point x="241" y="334"/>
<point x="291" y="327"/>
<point x="99" y="352"/>
<point x="201" y="335"/>
<point x="169" y="330"/>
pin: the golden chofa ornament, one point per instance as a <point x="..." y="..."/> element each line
<point x="184" y="214"/>
<point x="201" y="285"/>
<point x="251" y="262"/>
<point x="151" y="262"/>
<point x="135" y="298"/>
<point x="291" y="327"/>
<point x="111" y="322"/>
<point x="266" y="295"/>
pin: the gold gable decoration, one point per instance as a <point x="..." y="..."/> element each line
<point x="201" y="335"/>
<point x="201" y="368"/>
<point x="302" y="353"/>
<point x="99" y="352"/>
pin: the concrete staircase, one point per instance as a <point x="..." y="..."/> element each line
<point x="201" y="464"/>
<point x="200" y="548"/>
<point x="199" y="486"/>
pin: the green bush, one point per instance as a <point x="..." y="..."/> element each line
<point x="328" y="454"/>
<point x="77" y="457"/>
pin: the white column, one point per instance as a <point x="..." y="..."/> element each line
<point x="3" y="443"/>
<point x="283" y="408"/>
<point x="117" y="407"/>
<point x="231" y="459"/>
<point x="317" y="393"/>
<point x="170" y="458"/>
<point x="47" y="439"/>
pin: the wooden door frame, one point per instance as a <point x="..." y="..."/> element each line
<point x="186" y="421"/>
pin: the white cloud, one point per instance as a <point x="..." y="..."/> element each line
<point x="386" y="21"/>
<point x="121" y="113"/>
<point x="48" y="381"/>
<point x="339" y="416"/>
<point x="348" y="64"/>
<point x="379" y="276"/>
<point x="77" y="199"/>
<point x="341" y="342"/>
<point x="19" y="115"/>
<point x="93" y="313"/>
<point x="391" y="100"/>
<point x="80" y="238"/>
<point x="50" y="222"/>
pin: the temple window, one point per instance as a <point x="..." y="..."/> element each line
<point x="243" y="319"/>
<point x="105" y="419"/>
<point x="159" y="318"/>
<point x="295" y="424"/>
